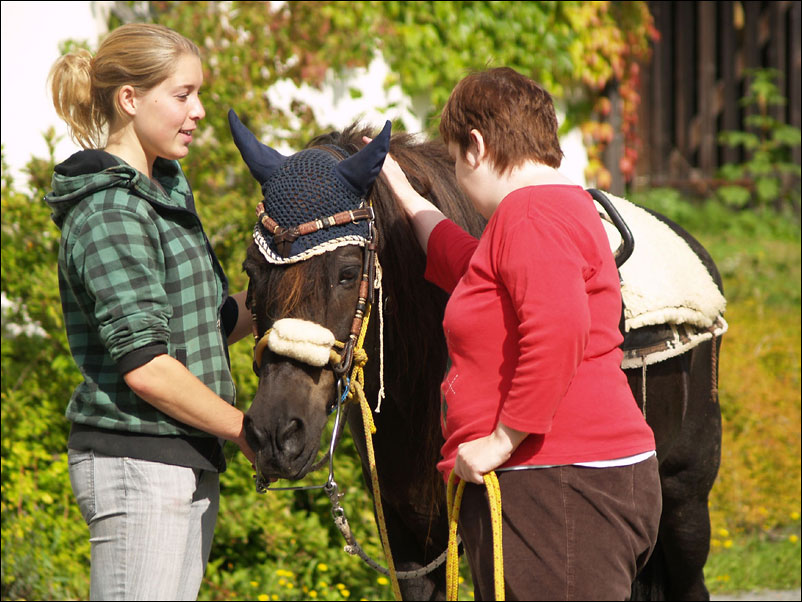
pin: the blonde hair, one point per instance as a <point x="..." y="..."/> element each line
<point x="84" y="88"/>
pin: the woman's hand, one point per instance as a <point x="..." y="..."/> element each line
<point x="423" y="214"/>
<point x="242" y="443"/>
<point x="407" y="196"/>
<point x="166" y="384"/>
<point x="480" y="456"/>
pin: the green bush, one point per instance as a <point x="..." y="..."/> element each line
<point x="768" y="176"/>
<point x="44" y="539"/>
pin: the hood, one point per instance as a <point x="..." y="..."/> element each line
<point x="89" y="171"/>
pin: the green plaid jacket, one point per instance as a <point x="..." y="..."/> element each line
<point x="138" y="278"/>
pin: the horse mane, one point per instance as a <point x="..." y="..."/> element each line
<point x="413" y="310"/>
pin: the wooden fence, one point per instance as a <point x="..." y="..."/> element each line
<point x="697" y="75"/>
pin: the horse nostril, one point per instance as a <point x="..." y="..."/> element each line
<point x="290" y="440"/>
<point x="256" y="437"/>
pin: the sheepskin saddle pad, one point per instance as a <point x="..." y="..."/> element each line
<point x="671" y="302"/>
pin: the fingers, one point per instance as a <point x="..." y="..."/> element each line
<point x="468" y="465"/>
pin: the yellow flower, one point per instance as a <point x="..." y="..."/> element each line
<point x="793" y="539"/>
<point x="322" y="567"/>
<point x="723" y="533"/>
<point x="728" y="543"/>
<point x="322" y="584"/>
<point x="340" y="586"/>
<point x="795" y="515"/>
<point x="313" y="594"/>
<point x="715" y="543"/>
<point x="345" y="593"/>
<point x="382" y="581"/>
<point x="254" y="583"/>
<point x="263" y="598"/>
<point x="274" y="597"/>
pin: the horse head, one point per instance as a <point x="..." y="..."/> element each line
<point x="309" y="269"/>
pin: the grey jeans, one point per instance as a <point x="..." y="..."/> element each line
<point x="150" y="525"/>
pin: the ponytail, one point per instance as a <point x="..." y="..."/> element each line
<point x="71" y="86"/>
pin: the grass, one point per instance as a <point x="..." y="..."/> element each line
<point x="754" y="562"/>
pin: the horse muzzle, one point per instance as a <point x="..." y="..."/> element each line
<point x="288" y="452"/>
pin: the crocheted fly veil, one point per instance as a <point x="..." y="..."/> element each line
<point x="313" y="202"/>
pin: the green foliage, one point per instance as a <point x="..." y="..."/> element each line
<point x="573" y="48"/>
<point x="44" y="540"/>
<point x="755" y="562"/>
<point x="769" y="177"/>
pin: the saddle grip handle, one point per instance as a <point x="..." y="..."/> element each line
<point x="623" y="252"/>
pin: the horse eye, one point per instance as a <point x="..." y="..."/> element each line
<point x="348" y="275"/>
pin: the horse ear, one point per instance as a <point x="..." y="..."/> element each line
<point x="260" y="159"/>
<point x="361" y="169"/>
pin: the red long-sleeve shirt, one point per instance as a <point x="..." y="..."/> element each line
<point x="532" y="332"/>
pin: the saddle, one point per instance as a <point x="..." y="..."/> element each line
<point x="671" y="302"/>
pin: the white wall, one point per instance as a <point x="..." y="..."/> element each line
<point x="31" y="32"/>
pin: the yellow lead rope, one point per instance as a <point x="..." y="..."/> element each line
<point x="454" y="500"/>
<point x="357" y="391"/>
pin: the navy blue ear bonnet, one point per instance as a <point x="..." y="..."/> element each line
<point x="303" y="193"/>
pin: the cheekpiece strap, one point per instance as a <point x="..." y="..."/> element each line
<point x="284" y="237"/>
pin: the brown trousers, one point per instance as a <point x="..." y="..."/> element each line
<point x="569" y="532"/>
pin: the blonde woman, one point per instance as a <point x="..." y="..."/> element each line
<point x="147" y="313"/>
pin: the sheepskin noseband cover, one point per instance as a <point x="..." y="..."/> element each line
<point x="301" y="340"/>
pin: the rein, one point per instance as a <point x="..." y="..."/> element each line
<point x="454" y="492"/>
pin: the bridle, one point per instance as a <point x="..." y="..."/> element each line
<point x="341" y="362"/>
<point x="346" y="359"/>
<point x="341" y="355"/>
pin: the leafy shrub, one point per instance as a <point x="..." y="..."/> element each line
<point x="44" y="539"/>
<point x="769" y="176"/>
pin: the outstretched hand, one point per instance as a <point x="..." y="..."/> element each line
<point x="422" y="213"/>
<point x="397" y="180"/>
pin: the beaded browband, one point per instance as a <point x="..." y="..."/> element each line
<point x="284" y="237"/>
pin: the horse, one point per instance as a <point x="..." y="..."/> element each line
<point x="289" y="411"/>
